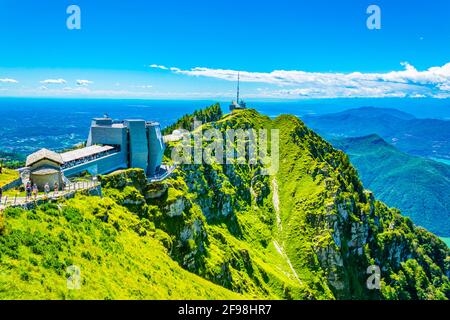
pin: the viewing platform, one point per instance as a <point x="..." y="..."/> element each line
<point x="20" y="200"/>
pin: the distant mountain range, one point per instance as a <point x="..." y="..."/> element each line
<point x="421" y="137"/>
<point x="418" y="187"/>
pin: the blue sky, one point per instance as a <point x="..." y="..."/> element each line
<point x="283" y="49"/>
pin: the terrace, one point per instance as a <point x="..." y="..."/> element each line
<point x="81" y="156"/>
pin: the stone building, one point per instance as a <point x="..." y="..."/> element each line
<point x="45" y="167"/>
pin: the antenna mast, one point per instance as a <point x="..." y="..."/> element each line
<point x="238" y="90"/>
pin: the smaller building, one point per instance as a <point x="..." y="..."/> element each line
<point x="45" y="167"/>
<point x="237" y="106"/>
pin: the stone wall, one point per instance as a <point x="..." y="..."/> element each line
<point x="15" y="184"/>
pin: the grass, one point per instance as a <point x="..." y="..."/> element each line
<point x="7" y="176"/>
<point x="38" y="246"/>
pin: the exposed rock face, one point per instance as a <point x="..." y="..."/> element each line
<point x="176" y="208"/>
<point x="220" y="218"/>
<point x="350" y="230"/>
<point x="156" y="190"/>
<point x="208" y="184"/>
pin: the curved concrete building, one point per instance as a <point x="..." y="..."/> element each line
<point x="155" y="147"/>
<point x="111" y="145"/>
<point x="137" y="144"/>
<point x="140" y="143"/>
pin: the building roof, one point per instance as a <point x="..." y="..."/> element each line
<point x="42" y="155"/>
<point x="84" y="152"/>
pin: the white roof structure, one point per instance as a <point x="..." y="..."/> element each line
<point x="84" y="152"/>
<point x="42" y="155"/>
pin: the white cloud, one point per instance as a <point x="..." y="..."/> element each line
<point x="444" y="86"/>
<point x="7" y="80"/>
<point x="155" y="66"/>
<point x="292" y="77"/>
<point x="84" y="83"/>
<point x="54" y="81"/>
<point x="144" y="86"/>
<point x="433" y="82"/>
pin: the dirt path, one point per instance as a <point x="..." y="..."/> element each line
<point x="280" y="248"/>
<point x="276" y="203"/>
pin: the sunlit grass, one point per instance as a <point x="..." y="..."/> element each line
<point x="7" y="176"/>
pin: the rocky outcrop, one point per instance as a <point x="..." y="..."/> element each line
<point x="176" y="208"/>
<point x="218" y="218"/>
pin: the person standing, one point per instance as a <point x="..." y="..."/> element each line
<point x="35" y="191"/>
<point x="55" y="189"/>
<point x="1" y="194"/>
<point x="28" y="190"/>
<point x="47" y="189"/>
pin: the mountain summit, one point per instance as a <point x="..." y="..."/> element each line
<point x="224" y="231"/>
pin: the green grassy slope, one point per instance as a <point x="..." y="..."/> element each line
<point x="225" y="231"/>
<point x="417" y="186"/>
<point x="119" y="259"/>
<point x="8" y="176"/>
<point x="335" y="228"/>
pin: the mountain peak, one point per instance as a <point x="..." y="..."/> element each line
<point x="371" y="111"/>
<point x="370" y="139"/>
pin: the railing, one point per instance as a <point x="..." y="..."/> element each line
<point x="163" y="173"/>
<point x="8" y="201"/>
<point x="74" y="186"/>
